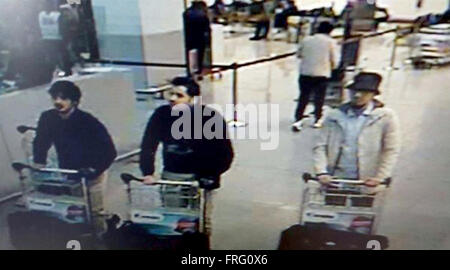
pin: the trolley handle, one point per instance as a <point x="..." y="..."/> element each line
<point x="22" y="129"/>
<point x="308" y="177"/>
<point x="128" y="178"/>
<point x="85" y="172"/>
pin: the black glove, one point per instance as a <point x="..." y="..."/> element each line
<point x="88" y="173"/>
<point x="209" y="183"/>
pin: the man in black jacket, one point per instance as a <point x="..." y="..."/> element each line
<point x="193" y="151"/>
<point x="81" y="142"/>
<point x="197" y="31"/>
<point x="260" y="17"/>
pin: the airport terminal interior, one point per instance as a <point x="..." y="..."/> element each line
<point x="123" y="55"/>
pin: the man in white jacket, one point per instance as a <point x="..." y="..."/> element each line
<point x="360" y="139"/>
<point x="319" y="56"/>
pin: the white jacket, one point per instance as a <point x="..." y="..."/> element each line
<point x="319" y="55"/>
<point x="378" y="143"/>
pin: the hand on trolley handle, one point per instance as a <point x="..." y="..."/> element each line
<point x="204" y="183"/>
<point x="36" y="167"/>
<point x="128" y="178"/>
<point x="82" y="173"/>
<point x="371" y="184"/>
<point x="22" y="129"/>
<point x="28" y="133"/>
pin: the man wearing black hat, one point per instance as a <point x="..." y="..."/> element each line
<point x="361" y="138"/>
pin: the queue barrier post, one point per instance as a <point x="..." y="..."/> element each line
<point x="235" y="122"/>
<point x="394" y="51"/>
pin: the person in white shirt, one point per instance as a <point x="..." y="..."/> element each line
<point x="51" y="23"/>
<point x="319" y="57"/>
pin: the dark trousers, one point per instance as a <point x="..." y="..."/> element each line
<point x="200" y="57"/>
<point x="58" y="55"/>
<point x="317" y="85"/>
<point x="262" y="26"/>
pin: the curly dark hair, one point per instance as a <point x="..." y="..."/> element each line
<point x="66" y="90"/>
<point x="193" y="89"/>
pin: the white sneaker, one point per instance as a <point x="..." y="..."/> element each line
<point x="318" y="123"/>
<point x="297" y="126"/>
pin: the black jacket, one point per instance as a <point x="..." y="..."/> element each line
<point x="197" y="28"/>
<point x="81" y="141"/>
<point x="205" y="157"/>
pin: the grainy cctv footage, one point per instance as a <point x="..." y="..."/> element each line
<point x="248" y="126"/>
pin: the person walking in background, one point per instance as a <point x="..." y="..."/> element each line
<point x="219" y="12"/>
<point x="286" y="8"/>
<point x="197" y="32"/>
<point x="259" y="15"/>
<point x="52" y="24"/>
<point x="319" y="57"/>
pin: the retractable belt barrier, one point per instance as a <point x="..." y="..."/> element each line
<point x="400" y="31"/>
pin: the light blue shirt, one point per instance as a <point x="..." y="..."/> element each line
<point x="347" y="166"/>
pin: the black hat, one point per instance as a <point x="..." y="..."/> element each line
<point x="366" y="81"/>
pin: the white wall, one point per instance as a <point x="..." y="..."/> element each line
<point x="135" y="17"/>
<point x="163" y="37"/>
<point x="117" y="17"/>
<point x="161" y="16"/>
<point x="143" y="31"/>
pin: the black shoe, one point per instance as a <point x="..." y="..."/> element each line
<point x="255" y="38"/>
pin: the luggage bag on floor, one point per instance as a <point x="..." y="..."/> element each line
<point x="34" y="231"/>
<point x="130" y="236"/>
<point x="300" y="237"/>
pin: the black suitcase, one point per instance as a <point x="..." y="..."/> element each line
<point x="130" y="236"/>
<point x="35" y="231"/>
<point x="300" y="237"/>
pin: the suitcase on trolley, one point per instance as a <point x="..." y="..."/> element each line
<point x="340" y="216"/>
<point x="55" y="204"/>
<point x="300" y="237"/>
<point x="167" y="216"/>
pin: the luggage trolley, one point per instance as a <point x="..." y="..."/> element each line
<point x="170" y="214"/>
<point x="431" y="47"/>
<point x="55" y="205"/>
<point x="57" y="209"/>
<point x="344" y="205"/>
